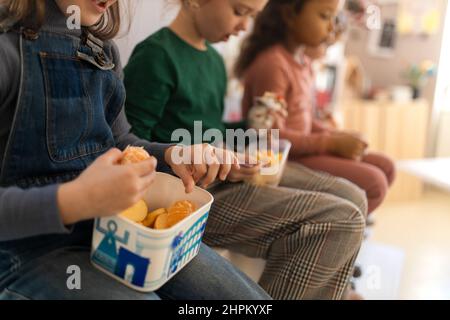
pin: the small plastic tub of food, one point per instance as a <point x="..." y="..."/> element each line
<point x="145" y="259"/>
<point x="277" y="158"/>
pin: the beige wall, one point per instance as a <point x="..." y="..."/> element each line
<point x="148" y="17"/>
<point x="409" y="49"/>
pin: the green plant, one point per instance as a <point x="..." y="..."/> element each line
<point x="418" y="75"/>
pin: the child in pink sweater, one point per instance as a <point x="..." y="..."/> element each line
<point x="273" y="59"/>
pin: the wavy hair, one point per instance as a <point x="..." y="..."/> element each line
<point x="270" y="28"/>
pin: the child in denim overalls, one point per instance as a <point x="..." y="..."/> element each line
<point x="61" y="100"/>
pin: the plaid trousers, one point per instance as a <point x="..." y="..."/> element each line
<point x="309" y="230"/>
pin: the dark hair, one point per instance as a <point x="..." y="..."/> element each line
<point x="31" y="14"/>
<point x="270" y="28"/>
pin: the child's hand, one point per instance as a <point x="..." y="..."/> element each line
<point x="105" y="188"/>
<point x="346" y="145"/>
<point x="200" y="164"/>
<point x="249" y="167"/>
<point x="357" y="135"/>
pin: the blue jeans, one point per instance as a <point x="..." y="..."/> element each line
<point x="36" y="269"/>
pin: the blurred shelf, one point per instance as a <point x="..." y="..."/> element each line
<point x="396" y="129"/>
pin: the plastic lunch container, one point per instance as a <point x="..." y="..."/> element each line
<point x="272" y="176"/>
<point x="145" y="259"/>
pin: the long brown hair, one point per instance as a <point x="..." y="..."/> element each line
<point x="31" y="14"/>
<point x="270" y="28"/>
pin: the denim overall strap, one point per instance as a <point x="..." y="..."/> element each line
<point x="68" y="99"/>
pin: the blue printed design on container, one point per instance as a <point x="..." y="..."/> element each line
<point x="185" y="246"/>
<point x="139" y="264"/>
<point x="117" y="261"/>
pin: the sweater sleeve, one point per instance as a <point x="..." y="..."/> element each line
<point x="122" y="129"/>
<point x="271" y="74"/>
<point x="28" y="213"/>
<point x="149" y="81"/>
<point x="31" y="212"/>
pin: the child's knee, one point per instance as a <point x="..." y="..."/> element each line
<point x="351" y="229"/>
<point x="357" y="220"/>
<point x="346" y="226"/>
<point x="352" y="193"/>
<point x="341" y="212"/>
<point x="390" y="171"/>
<point x="376" y="189"/>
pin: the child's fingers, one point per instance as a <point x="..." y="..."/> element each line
<point x="200" y="170"/>
<point x="213" y="171"/>
<point x="185" y="175"/>
<point x="147" y="181"/>
<point x="235" y="162"/>
<point x="146" y="167"/>
<point x="249" y="172"/>
<point x="112" y="156"/>
<point x="253" y="160"/>
<point x="227" y="160"/>
<point x="224" y="171"/>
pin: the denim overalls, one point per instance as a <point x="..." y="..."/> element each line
<point x="67" y="103"/>
<point x="68" y="99"/>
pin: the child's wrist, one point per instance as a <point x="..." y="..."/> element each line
<point x="72" y="203"/>
<point x="168" y="156"/>
<point x="328" y="143"/>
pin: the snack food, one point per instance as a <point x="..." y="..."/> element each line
<point x="261" y="114"/>
<point x="134" y="155"/>
<point x="176" y="213"/>
<point x="149" y="221"/>
<point x="166" y="221"/>
<point x="162" y="218"/>
<point x="179" y="211"/>
<point x="136" y="213"/>
<point x="269" y="158"/>
<point x="183" y="207"/>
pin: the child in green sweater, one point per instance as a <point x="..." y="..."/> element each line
<point x="310" y="239"/>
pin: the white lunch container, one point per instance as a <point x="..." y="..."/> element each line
<point x="145" y="259"/>
<point x="272" y="176"/>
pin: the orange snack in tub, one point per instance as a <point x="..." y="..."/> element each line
<point x="271" y="161"/>
<point x="184" y="206"/>
<point x="174" y="218"/>
<point x="166" y="221"/>
<point x="162" y="218"/>
<point x="179" y="211"/>
<point x="134" y="155"/>
<point x="149" y="221"/>
<point x="136" y="213"/>
<point x="161" y="222"/>
<point x="139" y="211"/>
<point x="269" y="158"/>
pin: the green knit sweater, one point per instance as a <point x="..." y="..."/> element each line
<point x="170" y="84"/>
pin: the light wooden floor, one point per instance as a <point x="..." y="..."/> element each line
<point x="420" y="230"/>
